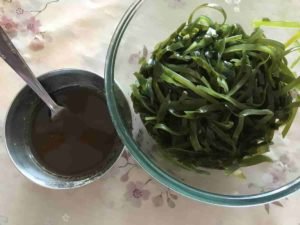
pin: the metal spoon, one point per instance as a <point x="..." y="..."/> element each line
<point x="12" y="57"/>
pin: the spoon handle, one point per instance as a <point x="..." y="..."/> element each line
<point x="12" y="57"/>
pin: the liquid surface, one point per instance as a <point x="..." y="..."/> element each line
<point x="80" y="140"/>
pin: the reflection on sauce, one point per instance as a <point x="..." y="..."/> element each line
<point x="80" y="140"/>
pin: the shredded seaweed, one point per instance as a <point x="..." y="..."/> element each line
<point x="212" y="96"/>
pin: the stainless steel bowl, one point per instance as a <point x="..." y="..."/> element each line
<point x="18" y="122"/>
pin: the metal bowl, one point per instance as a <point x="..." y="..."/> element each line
<point x="18" y="124"/>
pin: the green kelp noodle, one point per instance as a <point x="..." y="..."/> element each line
<point x="212" y="96"/>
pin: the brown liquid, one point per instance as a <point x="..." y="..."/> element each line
<point x="80" y="140"/>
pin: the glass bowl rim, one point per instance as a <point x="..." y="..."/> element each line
<point x="161" y="176"/>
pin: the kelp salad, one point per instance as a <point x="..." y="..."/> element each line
<point x="212" y="95"/>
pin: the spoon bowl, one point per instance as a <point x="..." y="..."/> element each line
<point x="18" y="124"/>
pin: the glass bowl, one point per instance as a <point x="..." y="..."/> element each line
<point x="148" y="22"/>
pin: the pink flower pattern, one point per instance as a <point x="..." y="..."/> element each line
<point x="19" y="11"/>
<point x="37" y="44"/>
<point x="158" y="200"/>
<point x="135" y="58"/>
<point x="136" y="193"/>
<point x="9" y="25"/>
<point x="33" y="25"/>
<point x="268" y="206"/>
<point x="16" y="20"/>
<point x="289" y="163"/>
<point x="167" y="196"/>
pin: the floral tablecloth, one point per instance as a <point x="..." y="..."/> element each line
<point x="64" y="33"/>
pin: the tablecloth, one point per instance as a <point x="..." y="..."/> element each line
<point x="76" y="34"/>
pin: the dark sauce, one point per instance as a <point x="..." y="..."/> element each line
<point x="78" y="142"/>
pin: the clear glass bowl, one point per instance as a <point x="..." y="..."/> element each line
<point x="148" y="22"/>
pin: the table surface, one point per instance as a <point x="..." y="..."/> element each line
<point x="75" y="34"/>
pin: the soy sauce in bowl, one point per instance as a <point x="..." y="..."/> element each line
<point x="78" y="142"/>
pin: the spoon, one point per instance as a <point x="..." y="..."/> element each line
<point x="12" y="57"/>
